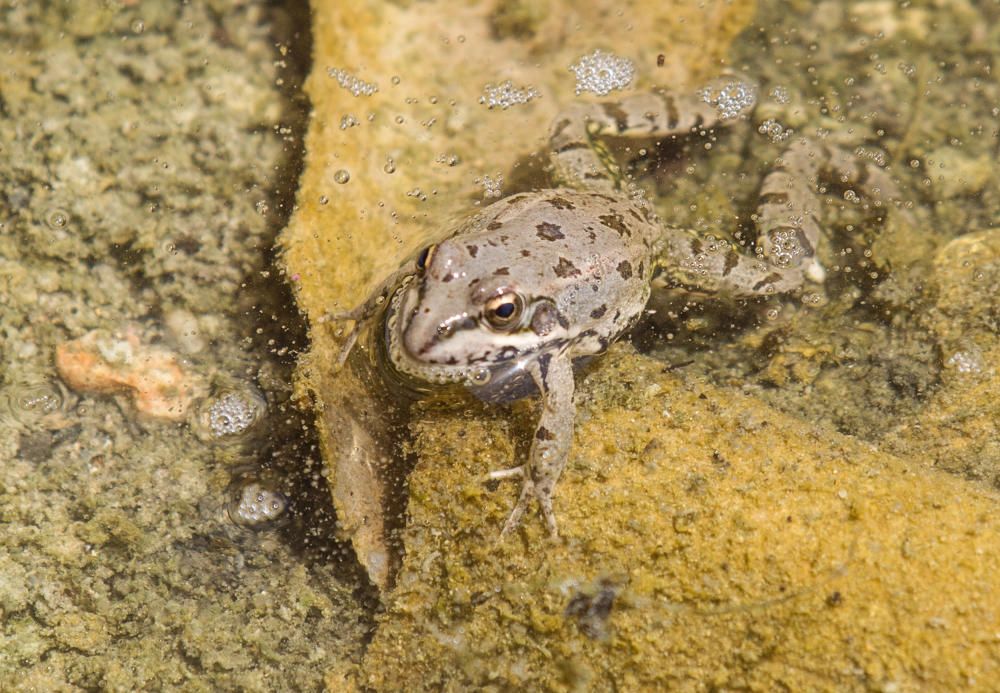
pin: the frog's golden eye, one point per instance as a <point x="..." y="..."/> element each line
<point x="504" y="311"/>
<point x="424" y="257"/>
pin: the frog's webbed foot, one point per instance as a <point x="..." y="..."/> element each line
<point x="581" y="161"/>
<point x="788" y="224"/>
<point x="788" y="213"/>
<point x="553" y="373"/>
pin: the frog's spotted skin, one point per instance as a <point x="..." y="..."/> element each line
<point x="515" y="295"/>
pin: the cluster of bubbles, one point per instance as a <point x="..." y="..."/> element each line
<point x="780" y="94"/>
<point x="255" y="505"/>
<point x="491" y="185"/>
<point x="967" y="361"/>
<point x="229" y="415"/>
<point x="785" y="247"/>
<point x="774" y="130"/>
<point x="28" y="403"/>
<point x="505" y="95"/>
<point x="730" y="97"/>
<point x="601" y="73"/>
<point x="355" y="85"/>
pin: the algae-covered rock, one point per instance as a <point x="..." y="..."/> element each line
<point x="712" y="542"/>
<point x="400" y="146"/>
<point x="959" y="428"/>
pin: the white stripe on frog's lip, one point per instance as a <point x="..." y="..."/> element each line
<point x="470" y="374"/>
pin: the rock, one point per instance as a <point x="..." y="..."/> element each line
<point x="713" y="541"/>
<point x="102" y="362"/>
<point x="959" y="428"/>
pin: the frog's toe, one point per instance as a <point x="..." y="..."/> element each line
<point x="514" y="519"/>
<point x="506" y="473"/>
<point x="545" y="503"/>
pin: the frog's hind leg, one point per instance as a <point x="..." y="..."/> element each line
<point x="788" y="212"/>
<point x="716" y="267"/>
<point x="581" y="161"/>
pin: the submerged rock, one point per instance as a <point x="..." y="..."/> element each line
<point x="155" y="379"/>
<point x="712" y="539"/>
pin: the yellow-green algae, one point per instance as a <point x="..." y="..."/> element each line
<point x="751" y="549"/>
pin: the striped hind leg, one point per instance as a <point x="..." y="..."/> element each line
<point x="788" y="212"/>
<point x="581" y="161"/>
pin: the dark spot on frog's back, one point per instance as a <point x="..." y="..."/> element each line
<point x="625" y="269"/>
<point x="550" y="232"/>
<point x="503" y="271"/>
<point x="565" y="269"/>
<point x="473" y="250"/>
<point x="616" y="222"/>
<point x="599" y="312"/>
<point x="494" y="225"/>
<point x="560" y="203"/>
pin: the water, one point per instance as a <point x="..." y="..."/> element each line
<point x="753" y="484"/>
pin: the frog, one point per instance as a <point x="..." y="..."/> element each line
<point x="510" y="302"/>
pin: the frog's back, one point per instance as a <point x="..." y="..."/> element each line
<point x="590" y="252"/>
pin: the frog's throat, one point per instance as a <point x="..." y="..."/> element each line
<point x="404" y="362"/>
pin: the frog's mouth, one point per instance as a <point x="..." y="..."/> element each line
<point x="408" y="363"/>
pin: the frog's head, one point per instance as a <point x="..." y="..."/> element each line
<point x="464" y="317"/>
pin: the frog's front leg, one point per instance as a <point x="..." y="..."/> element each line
<point x="553" y="374"/>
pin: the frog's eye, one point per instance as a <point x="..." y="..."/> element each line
<point x="424" y="258"/>
<point x="504" y="310"/>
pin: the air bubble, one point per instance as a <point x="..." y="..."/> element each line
<point x="342" y="176"/>
<point x="138" y="26"/>
<point x="255" y="505"/>
<point x="731" y="97"/>
<point x="231" y="415"/>
<point x="491" y="186"/>
<point x="57" y="219"/>
<point x="353" y="84"/>
<point x="31" y="403"/>
<point x="390" y="165"/>
<point x="323" y="199"/>
<point x="505" y="95"/>
<point x="967" y="361"/>
<point x="780" y="95"/>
